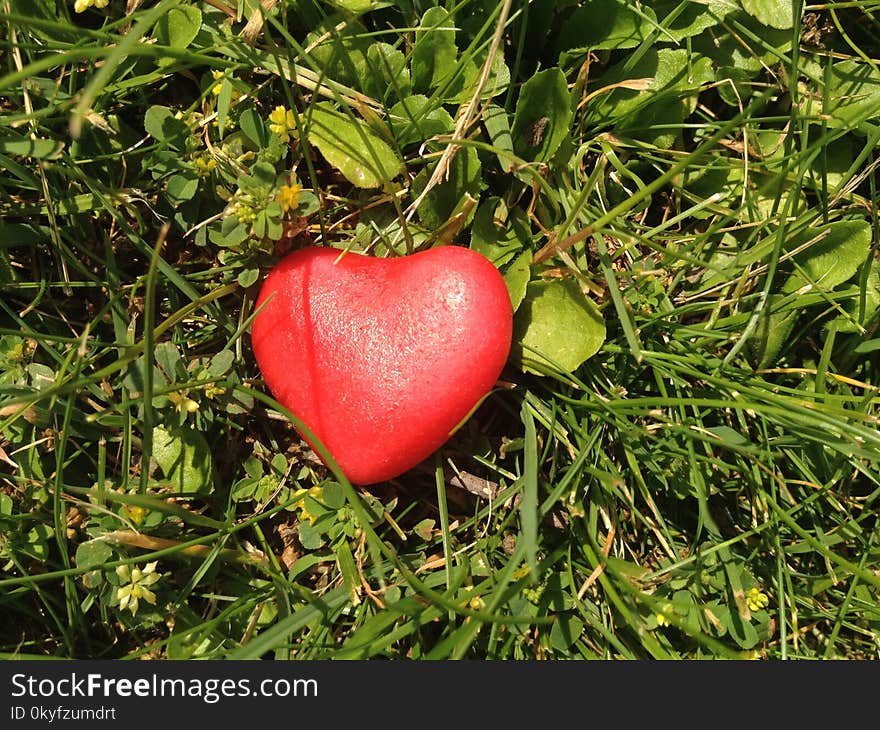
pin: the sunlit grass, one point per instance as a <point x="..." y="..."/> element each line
<point x="704" y="486"/>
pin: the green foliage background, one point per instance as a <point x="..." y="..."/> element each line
<point x="682" y="198"/>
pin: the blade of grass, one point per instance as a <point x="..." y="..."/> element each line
<point x="528" y="507"/>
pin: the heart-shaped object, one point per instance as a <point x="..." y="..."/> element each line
<point x="381" y="358"/>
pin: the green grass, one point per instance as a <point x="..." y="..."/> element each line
<point x="682" y="464"/>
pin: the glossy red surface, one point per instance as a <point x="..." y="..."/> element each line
<point x="382" y="357"/>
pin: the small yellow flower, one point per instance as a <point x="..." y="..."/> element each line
<point x="137" y="586"/>
<point x="16" y="354"/>
<point x="182" y="402"/>
<point x="661" y="617"/>
<point x="191" y="119"/>
<point x="204" y="165"/>
<point x="283" y="123"/>
<point x="212" y="390"/>
<point x="301" y="494"/>
<point x="756" y="599"/>
<point x="134" y="513"/>
<point x="288" y="196"/>
<point x="219" y="78"/>
<point x="81" y="6"/>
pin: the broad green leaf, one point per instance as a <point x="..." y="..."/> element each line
<point x="263" y="175"/>
<point x="333" y="496"/>
<point x="443" y="200"/>
<point x="166" y="161"/>
<point x="22" y="234"/>
<point x="386" y="72"/>
<point x="667" y="69"/>
<point x="380" y="232"/>
<point x="687" y="18"/>
<point x="182" y="187"/>
<point x="92" y="578"/>
<point x="160" y="123"/>
<point x="340" y="52"/>
<point x="682" y="601"/>
<point x="858" y="314"/>
<point x="499" y="76"/>
<point x="734" y="85"/>
<point x="92" y="553"/>
<point x="424" y="529"/>
<point x="497" y="125"/>
<point x="185" y="459"/>
<point x="37" y="542"/>
<point x="266" y="487"/>
<point x="358" y="7"/>
<point x="771" y="195"/>
<point x="604" y="24"/>
<point x="866" y="347"/>
<point x="254" y="128"/>
<point x="652" y="112"/>
<point x="135" y="377"/>
<point x="232" y="233"/>
<point x="467" y="74"/>
<point x="729" y="50"/>
<point x="221" y="363"/>
<point x="434" y="52"/>
<point x="310" y="537"/>
<point x="506" y="244"/>
<point x="556" y="326"/>
<point x="543" y="115"/>
<point x="244" y="489"/>
<point x="773" y="13"/>
<point x="167" y="357"/>
<point x="273" y="211"/>
<point x="853" y="93"/>
<point x="627" y="568"/>
<point x="39" y="149"/>
<point x="772" y="332"/>
<point x="45" y="10"/>
<point x="248" y="277"/>
<point x="742" y="630"/>
<point x="224" y="99"/>
<point x="308" y="203"/>
<point x="253" y="467"/>
<point x="352" y="147"/>
<point x="416" y="119"/>
<point x="498" y="240"/>
<point x="279" y="464"/>
<point x="259" y="226"/>
<point x="831" y="169"/>
<point x="517" y="276"/>
<point x="348" y="569"/>
<point x="32" y="466"/>
<point x="724" y="178"/>
<point x="179" y="26"/>
<point x="730" y="436"/>
<point x="832" y="260"/>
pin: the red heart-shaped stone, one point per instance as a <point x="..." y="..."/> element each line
<point x="381" y="358"/>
